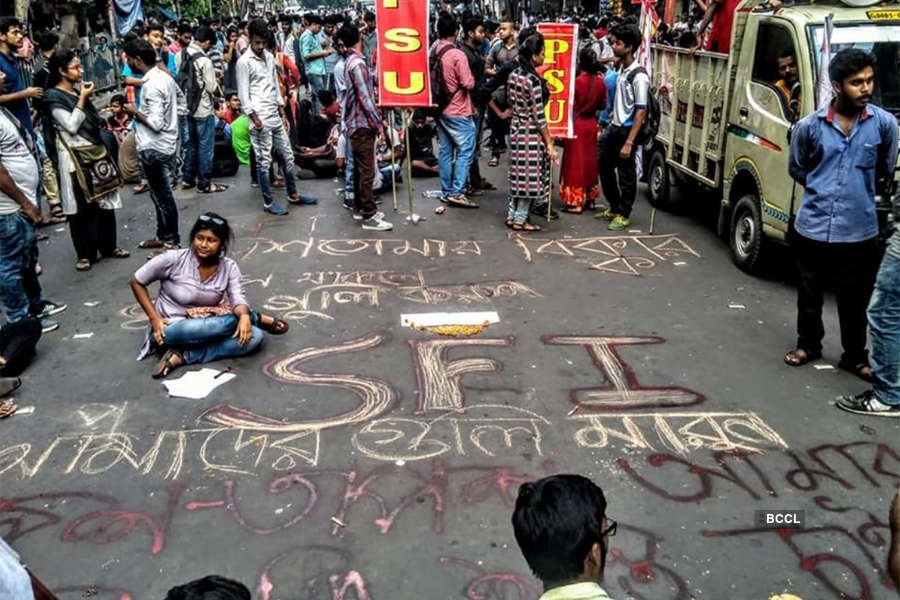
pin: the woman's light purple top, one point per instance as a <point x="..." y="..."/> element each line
<point x="180" y="287"/>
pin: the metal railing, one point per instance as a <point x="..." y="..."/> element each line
<point x="102" y="66"/>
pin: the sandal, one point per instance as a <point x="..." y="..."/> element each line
<point x="213" y="189"/>
<point x="861" y="370"/>
<point x="8" y="408"/>
<point x="573" y="210"/>
<point x="83" y="264"/>
<point x="165" y="248"/>
<point x="509" y="223"/>
<point x="166" y="365"/>
<point x="275" y="326"/>
<point x="120" y="253"/>
<point x="141" y="188"/>
<point x="495" y="161"/>
<point x="462" y="202"/>
<point x="799" y="357"/>
<point x="150" y="244"/>
<point x="526" y="226"/>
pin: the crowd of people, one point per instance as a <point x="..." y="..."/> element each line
<point x="296" y="96"/>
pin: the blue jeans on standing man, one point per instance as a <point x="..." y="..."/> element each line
<point x="455" y="135"/>
<point x="19" y="287"/>
<point x="272" y="140"/>
<point x="211" y="338"/>
<point x="158" y="167"/>
<point x="198" y="151"/>
<point x="884" y="326"/>
<point x="317" y="83"/>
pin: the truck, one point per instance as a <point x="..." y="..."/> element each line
<point x="726" y="119"/>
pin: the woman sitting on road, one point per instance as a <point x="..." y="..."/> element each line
<point x="191" y="320"/>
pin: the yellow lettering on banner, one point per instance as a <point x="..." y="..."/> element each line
<point x="390" y="4"/>
<point x="555" y="112"/>
<point x="552" y="48"/>
<point x="402" y="39"/>
<point x="416" y="83"/>
<point x="554" y="80"/>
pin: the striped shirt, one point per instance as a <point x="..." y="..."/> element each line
<point x="359" y="101"/>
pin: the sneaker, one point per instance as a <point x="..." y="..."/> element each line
<point x="619" y="223"/>
<point x="349" y="206"/>
<point x="605" y="215"/>
<point x="48" y="325"/>
<point x="867" y="403"/>
<point x="301" y="199"/>
<point x="358" y="216"/>
<point x="50" y="308"/>
<point x="254" y="184"/>
<point x="376" y="223"/>
<point x="275" y="209"/>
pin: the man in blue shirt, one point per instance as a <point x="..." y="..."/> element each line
<point x="15" y="95"/>
<point x="842" y="155"/>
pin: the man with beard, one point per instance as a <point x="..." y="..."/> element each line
<point x="843" y="155"/>
<point x="15" y="96"/>
<point x="561" y="526"/>
<point x="473" y="32"/>
<point x="787" y="70"/>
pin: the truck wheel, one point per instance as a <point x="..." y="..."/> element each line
<point x="658" y="181"/>
<point x="746" y="234"/>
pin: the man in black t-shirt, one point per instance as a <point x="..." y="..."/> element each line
<point x="421" y="146"/>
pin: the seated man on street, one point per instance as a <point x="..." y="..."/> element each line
<point x="421" y="146"/>
<point x="561" y="526"/>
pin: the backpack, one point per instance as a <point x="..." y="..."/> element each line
<point x="440" y="94"/>
<point x="187" y="81"/>
<point x="650" y="127"/>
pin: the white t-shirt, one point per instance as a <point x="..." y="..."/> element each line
<point x="630" y="96"/>
<point x="18" y="160"/>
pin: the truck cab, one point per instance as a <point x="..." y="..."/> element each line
<point x="743" y="106"/>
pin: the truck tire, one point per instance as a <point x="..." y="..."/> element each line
<point x="658" y="181"/>
<point x="746" y="234"/>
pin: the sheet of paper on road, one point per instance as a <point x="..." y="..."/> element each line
<point x="196" y="385"/>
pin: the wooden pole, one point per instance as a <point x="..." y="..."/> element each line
<point x="409" y="190"/>
<point x="550" y="190"/>
<point x="393" y="166"/>
<point x="652" y="219"/>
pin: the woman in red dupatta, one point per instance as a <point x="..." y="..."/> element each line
<point x="578" y="186"/>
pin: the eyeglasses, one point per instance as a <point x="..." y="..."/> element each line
<point x="610" y="530"/>
<point x="215" y="220"/>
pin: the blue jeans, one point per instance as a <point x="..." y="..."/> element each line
<point x="884" y="326"/>
<point x="205" y="340"/>
<point x="317" y="83"/>
<point x="198" y="151"/>
<point x="158" y="168"/>
<point x="19" y="287"/>
<point x="268" y="141"/>
<point x="455" y="135"/>
<point x="348" y="175"/>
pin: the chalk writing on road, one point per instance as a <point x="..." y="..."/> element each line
<point x="323" y="291"/>
<point x="427" y="248"/>
<point x="621" y="254"/>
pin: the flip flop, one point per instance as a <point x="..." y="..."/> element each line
<point x="165" y="366"/>
<point x="150" y="244"/>
<point x="213" y="189"/>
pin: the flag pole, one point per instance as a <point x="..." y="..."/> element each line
<point x="550" y="190"/>
<point x="409" y="191"/>
<point x="390" y="142"/>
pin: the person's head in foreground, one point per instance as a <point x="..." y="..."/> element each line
<point x="211" y="587"/>
<point x="561" y="527"/>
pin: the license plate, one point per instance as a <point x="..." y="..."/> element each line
<point x="883" y="15"/>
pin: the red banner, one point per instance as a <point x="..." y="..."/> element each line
<point x="403" y="52"/>
<point x="560" y="59"/>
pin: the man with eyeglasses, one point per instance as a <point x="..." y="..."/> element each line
<point x="562" y="529"/>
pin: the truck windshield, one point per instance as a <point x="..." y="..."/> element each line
<point x="883" y="42"/>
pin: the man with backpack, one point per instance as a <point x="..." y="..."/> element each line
<point x="197" y="79"/>
<point x="618" y="175"/>
<point x="452" y="84"/>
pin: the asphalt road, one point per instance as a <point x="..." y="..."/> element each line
<point x="355" y="457"/>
